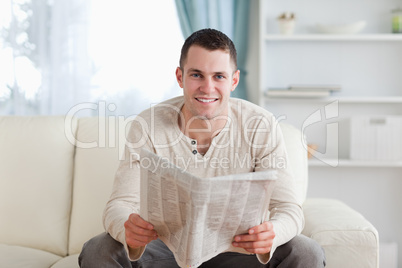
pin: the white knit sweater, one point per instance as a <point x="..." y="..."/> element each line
<point x="251" y="141"/>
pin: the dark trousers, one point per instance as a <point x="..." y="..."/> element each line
<point x="104" y="251"/>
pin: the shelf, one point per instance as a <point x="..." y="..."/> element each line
<point x="334" y="37"/>
<point x="355" y="100"/>
<point x="354" y="163"/>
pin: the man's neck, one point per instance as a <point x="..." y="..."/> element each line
<point x="202" y="130"/>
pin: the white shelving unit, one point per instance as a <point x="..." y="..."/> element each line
<point x="368" y="66"/>
<point x="355" y="163"/>
<point x="299" y="111"/>
<point x="351" y="99"/>
<point x="334" y="37"/>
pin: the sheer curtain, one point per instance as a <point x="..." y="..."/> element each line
<point x="58" y="55"/>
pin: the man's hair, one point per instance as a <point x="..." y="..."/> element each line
<point x="209" y="39"/>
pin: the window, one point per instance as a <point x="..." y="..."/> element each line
<point x="55" y="55"/>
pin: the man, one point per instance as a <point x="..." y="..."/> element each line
<point x="202" y="126"/>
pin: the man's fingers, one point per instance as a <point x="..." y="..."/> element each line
<point x="263" y="231"/>
<point x="263" y="227"/>
<point x="139" y="226"/>
<point x="255" y="237"/>
<point x="256" y="247"/>
<point x="135" y="229"/>
<point x="135" y="240"/>
<point x="138" y="231"/>
<point x="259" y="239"/>
<point x="137" y="220"/>
<point x="141" y="234"/>
<point x="255" y="244"/>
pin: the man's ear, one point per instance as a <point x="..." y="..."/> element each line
<point x="235" y="80"/>
<point x="179" y="76"/>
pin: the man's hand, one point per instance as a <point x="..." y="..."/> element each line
<point x="259" y="239"/>
<point x="138" y="231"/>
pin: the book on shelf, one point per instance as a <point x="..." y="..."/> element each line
<point x="288" y="93"/>
<point x="303" y="91"/>
<point x="315" y="87"/>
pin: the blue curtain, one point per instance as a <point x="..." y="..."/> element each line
<point x="227" y="16"/>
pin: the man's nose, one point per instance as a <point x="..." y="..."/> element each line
<point x="208" y="85"/>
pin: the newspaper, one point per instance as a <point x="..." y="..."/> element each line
<point x="197" y="218"/>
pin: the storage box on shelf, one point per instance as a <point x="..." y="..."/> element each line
<point x="376" y="138"/>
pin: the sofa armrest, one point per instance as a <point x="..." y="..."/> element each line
<point x="349" y="240"/>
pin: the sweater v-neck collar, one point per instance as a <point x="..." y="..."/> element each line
<point x="192" y="143"/>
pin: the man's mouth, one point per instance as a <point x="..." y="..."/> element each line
<point x="205" y="100"/>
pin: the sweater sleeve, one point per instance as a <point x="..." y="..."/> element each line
<point x="285" y="211"/>
<point x="125" y="196"/>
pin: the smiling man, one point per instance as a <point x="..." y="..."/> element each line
<point x="205" y="124"/>
<point x="207" y="77"/>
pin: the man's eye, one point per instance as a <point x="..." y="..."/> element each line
<point x="219" y="76"/>
<point x="195" y="75"/>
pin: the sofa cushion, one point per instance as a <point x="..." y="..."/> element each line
<point x="17" y="257"/>
<point x="67" y="262"/>
<point x="341" y="231"/>
<point x="36" y="178"/>
<point x="95" y="167"/>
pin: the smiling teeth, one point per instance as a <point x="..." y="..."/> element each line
<point x="206" y="100"/>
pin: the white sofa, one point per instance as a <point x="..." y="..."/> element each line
<point x="52" y="194"/>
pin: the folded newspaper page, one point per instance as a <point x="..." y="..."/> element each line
<point x="197" y="218"/>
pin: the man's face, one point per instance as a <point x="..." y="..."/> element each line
<point x="207" y="79"/>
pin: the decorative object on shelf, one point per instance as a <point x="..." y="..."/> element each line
<point x="351" y="28"/>
<point x="311" y="148"/>
<point x="376" y="138"/>
<point x="397" y="20"/>
<point x="303" y="91"/>
<point x="287" y="23"/>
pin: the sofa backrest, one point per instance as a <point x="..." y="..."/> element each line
<point x="96" y="161"/>
<point x="36" y="171"/>
<point x="297" y="157"/>
<point x="95" y="168"/>
<point x="56" y="175"/>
